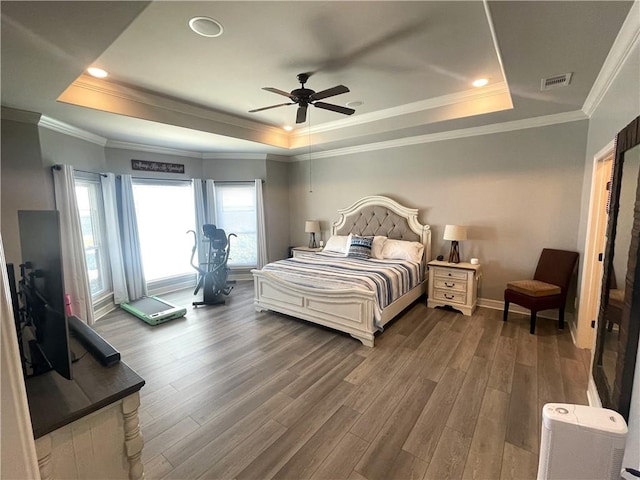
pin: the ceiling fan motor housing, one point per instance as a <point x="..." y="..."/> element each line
<point x="302" y="94"/>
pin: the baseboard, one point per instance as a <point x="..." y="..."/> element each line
<point x="592" y="394"/>
<point x="240" y="276"/>
<point x="513" y="308"/>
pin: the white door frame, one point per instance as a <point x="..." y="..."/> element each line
<point x="591" y="283"/>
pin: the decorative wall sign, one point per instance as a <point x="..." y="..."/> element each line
<point x="162" y="167"/>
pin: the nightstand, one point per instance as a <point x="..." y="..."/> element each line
<point x="454" y="285"/>
<point x="298" y="251"/>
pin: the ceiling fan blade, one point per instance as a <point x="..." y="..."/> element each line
<point x="301" y="116"/>
<point x="278" y="91"/>
<point x="334" y="108"/>
<point x="330" y="92"/>
<point x="272" y="106"/>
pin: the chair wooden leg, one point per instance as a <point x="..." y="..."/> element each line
<point x="561" y="319"/>
<point x="505" y="314"/>
<point x="532" y="330"/>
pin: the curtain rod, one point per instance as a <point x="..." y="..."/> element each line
<point x="59" y="167"/>
<point x="237" y="181"/>
<point x="159" y="179"/>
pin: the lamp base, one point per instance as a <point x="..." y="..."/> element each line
<point x="454" y="255"/>
<point x="312" y="240"/>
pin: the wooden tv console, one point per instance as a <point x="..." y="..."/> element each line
<point x="87" y="427"/>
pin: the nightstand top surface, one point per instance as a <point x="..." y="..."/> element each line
<point x="461" y="265"/>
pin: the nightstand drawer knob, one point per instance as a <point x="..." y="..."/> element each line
<point x="449" y="284"/>
<point x="449" y="297"/>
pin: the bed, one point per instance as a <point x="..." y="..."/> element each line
<point x="355" y="310"/>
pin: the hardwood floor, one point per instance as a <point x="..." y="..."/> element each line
<point x="232" y="393"/>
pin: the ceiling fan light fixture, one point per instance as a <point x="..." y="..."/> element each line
<point x="480" y="82"/>
<point x="206" y="27"/>
<point x="97" y="72"/>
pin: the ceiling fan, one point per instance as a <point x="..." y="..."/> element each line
<point x="305" y="97"/>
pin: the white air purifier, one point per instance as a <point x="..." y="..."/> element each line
<point x="581" y="443"/>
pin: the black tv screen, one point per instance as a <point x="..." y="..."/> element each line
<point x="43" y="286"/>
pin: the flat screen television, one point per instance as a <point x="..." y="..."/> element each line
<point x="42" y="288"/>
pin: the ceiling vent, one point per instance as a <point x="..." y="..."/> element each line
<point x="556" y="81"/>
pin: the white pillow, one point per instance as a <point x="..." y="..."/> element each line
<point x="377" y="246"/>
<point x="402" y="250"/>
<point x="338" y="244"/>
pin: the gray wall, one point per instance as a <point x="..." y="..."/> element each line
<point x="26" y="183"/>
<point x="58" y="148"/>
<point x="234" y="169"/>
<point x="276" y="198"/>
<point x="516" y="191"/>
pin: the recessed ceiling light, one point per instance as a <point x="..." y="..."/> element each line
<point x="97" y="72"/>
<point x="481" y="82"/>
<point x="205" y="26"/>
<point x="354" y="104"/>
<point x="288" y="128"/>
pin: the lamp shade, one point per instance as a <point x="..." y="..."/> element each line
<point x="455" y="232"/>
<point x="311" y="226"/>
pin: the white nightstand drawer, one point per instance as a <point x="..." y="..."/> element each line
<point x="450" y="273"/>
<point x="450" y="296"/>
<point x="450" y="284"/>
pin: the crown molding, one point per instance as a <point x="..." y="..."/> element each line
<point x="534" y="122"/>
<point x="23" y="116"/>
<point x="132" y="94"/>
<point x="626" y="41"/>
<point x="139" y="147"/>
<point x="66" y="129"/>
<point x="430" y="104"/>
<point x="234" y="156"/>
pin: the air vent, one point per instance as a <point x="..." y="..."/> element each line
<point x="556" y="81"/>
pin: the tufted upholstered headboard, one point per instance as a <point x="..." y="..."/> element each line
<point x="378" y="215"/>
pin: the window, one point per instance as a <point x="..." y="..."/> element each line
<point x="91" y="210"/>
<point x="236" y="213"/>
<point x="165" y="212"/>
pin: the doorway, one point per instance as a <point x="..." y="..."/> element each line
<point x="594" y="248"/>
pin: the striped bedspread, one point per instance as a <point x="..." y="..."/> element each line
<point x="389" y="279"/>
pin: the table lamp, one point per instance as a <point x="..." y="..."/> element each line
<point x="311" y="227"/>
<point x="455" y="233"/>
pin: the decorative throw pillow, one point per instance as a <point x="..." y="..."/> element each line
<point x="360" y="247"/>
<point x="338" y="244"/>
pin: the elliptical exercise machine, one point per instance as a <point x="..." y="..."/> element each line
<point x="212" y="275"/>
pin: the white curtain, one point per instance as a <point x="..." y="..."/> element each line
<point x="201" y="219"/>
<point x="210" y="208"/>
<point x="74" y="265"/>
<point x="133" y="269"/>
<point x="262" y="236"/>
<point x="116" y="261"/>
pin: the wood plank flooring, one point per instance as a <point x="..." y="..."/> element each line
<point x="236" y="394"/>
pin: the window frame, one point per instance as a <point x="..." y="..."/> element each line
<point x="247" y="184"/>
<point x="92" y="181"/>
<point x="164" y="282"/>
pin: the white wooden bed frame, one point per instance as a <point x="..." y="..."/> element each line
<point x="349" y="310"/>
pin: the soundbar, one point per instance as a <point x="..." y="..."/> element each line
<point x="101" y="350"/>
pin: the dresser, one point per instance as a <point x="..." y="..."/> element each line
<point x="88" y="427"/>
<point x="454" y="285"/>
